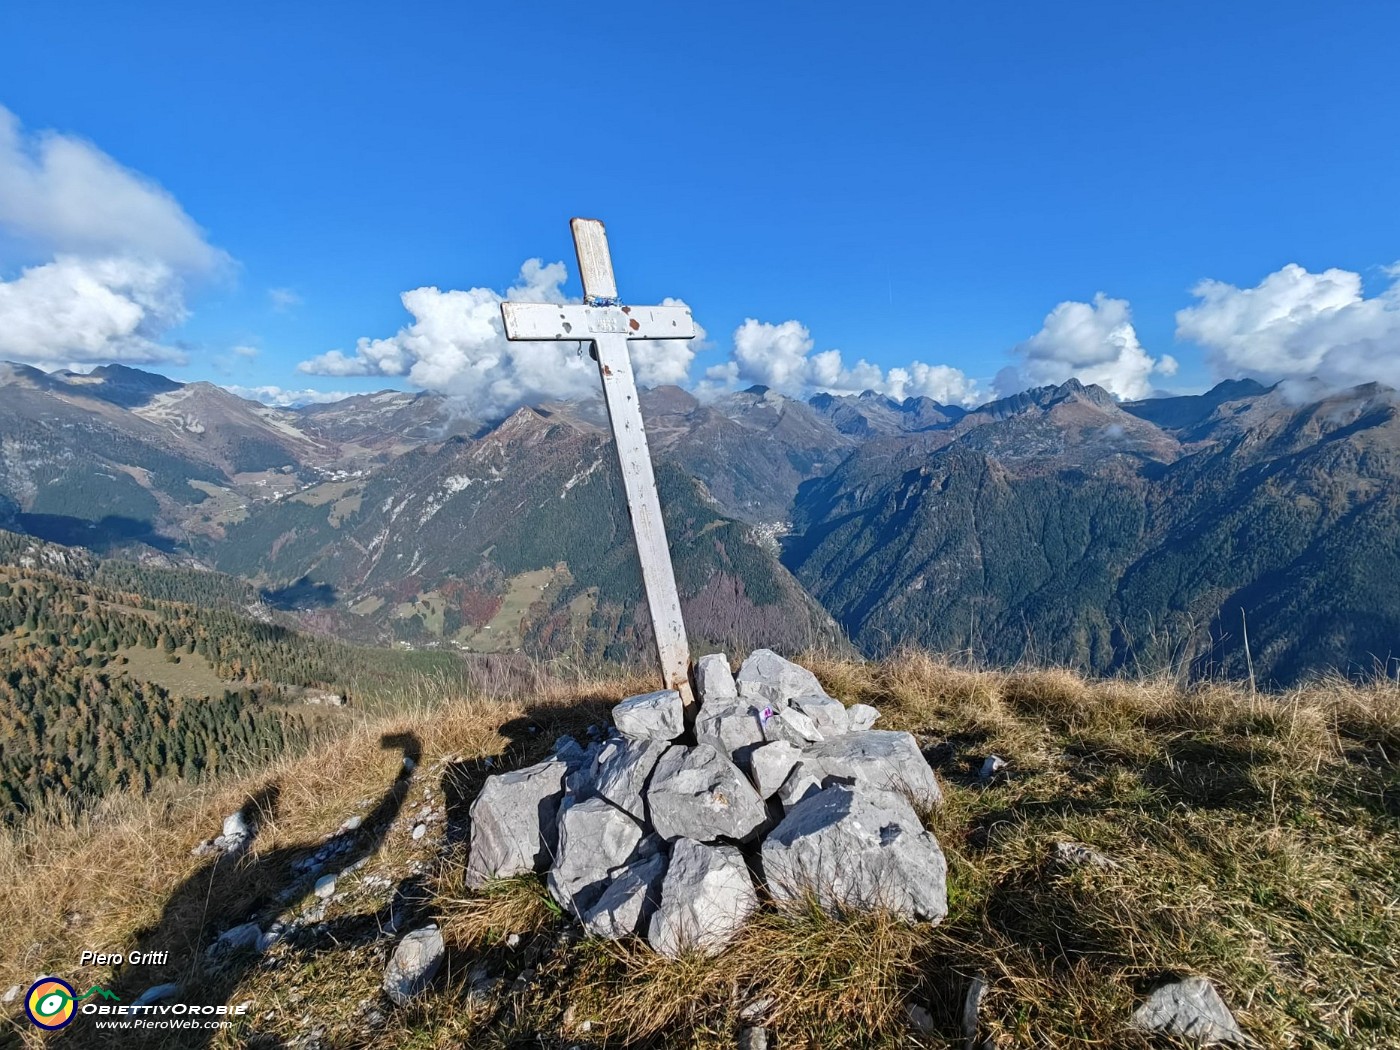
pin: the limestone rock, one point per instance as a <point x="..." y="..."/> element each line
<point x="714" y="679"/>
<point x="698" y="793"/>
<point x="706" y="897"/>
<point x="753" y="1039"/>
<point x="792" y="725"/>
<point x="239" y="937"/>
<point x="415" y="963"/>
<point x="234" y="838"/>
<point x="860" y="717"/>
<point x="513" y="822"/>
<point x="732" y="727"/>
<point x="803" y="782"/>
<point x="621" y="771"/>
<point x="236" y="826"/>
<point x="570" y="751"/>
<point x="1191" y="1009"/>
<point x="766" y="675"/>
<point x="829" y="716"/>
<point x="627" y="905"/>
<point x="651" y="716"/>
<point x="857" y="848"/>
<point x="594" y="837"/>
<point x="583" y="766"/>
<point x="770" y="766"/>
<point x="883" y="759"/>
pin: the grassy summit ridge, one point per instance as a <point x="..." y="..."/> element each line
<point x="1255" y="836"/>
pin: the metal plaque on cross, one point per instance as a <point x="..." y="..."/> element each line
<point x="608" y="325"/>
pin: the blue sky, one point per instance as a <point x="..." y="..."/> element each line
<point x="904" y="181"/>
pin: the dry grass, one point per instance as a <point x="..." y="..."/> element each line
<point x="1256" y="837"/>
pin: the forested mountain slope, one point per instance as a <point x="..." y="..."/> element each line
<point x="107" y="684"/>
<point x="521" y="539"/>
<point x="1054" y="529"/>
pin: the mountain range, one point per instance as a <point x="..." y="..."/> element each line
<point x="1247" y="530"/>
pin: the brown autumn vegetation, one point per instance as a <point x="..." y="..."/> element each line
<point x="1257" y="838"/>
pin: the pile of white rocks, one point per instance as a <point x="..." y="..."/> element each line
<point x="673" y="828"/>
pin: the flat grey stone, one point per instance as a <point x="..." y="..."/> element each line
<point x="881" y="758"/>
<point x="594" y="838"/>
<point x="804" y="781"/>
<point x="993" y="765"/>
<point x="415" y="963"/>
<point x="753" y="1039"/>
<point x="860" y="717"/>
<point x="714" y="679"/>
<point x="651" y="716"/>
<point x="513" y="822"/>
<point x="828" y="715"/>
<point x="632" y="897"/>
<point x="1192" y="1009"/>
<point x="246" y="936"/>
<point x="621" y="771"/>
<point x="706" y="897"/>
<point x="770" y="765"/>
<point x="698" y="793"/>
<point x="766" y="675"/>
<point x="325" y="886"/>
<point x="857" y="848"/>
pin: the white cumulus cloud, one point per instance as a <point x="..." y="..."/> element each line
<point x="1298" y="325"/>
<point x="280" y="397"/>
<point x="779" y="356"/>
<point x="65" y="195"/>
<point x="659" y="362"/>
<point x="111" y="254"/>
<point x="456" y="345"/>
<point x="86" y="311"/>
<point x="1092" y="342"/>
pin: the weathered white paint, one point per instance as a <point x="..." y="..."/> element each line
<point x="595" y="267"/>
<point x="609" y="326"/>
<point x="546" y="322"/>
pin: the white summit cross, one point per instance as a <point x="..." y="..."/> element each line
<point x="603" y="321"/>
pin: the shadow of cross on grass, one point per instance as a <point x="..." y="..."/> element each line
<point x="529" y="738"/>
<point x="234" y="888"/>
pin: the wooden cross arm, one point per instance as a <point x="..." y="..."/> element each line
<point x="547" y="322"/>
